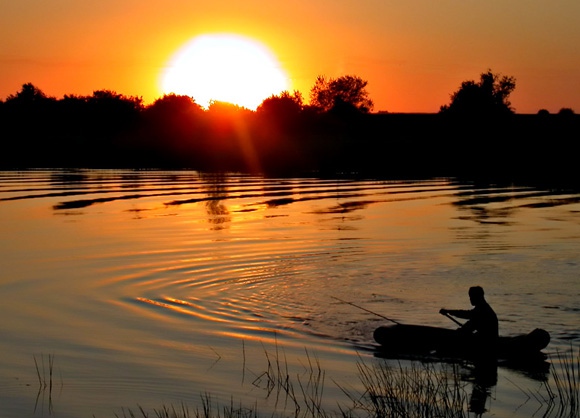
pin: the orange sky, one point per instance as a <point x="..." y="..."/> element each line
<point x="413" y="53"/>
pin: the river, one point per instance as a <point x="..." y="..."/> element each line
<point x="126" y="288"/>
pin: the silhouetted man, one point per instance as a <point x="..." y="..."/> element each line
<point x="482" y="320"/>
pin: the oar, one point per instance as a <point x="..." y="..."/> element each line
<point x="366" y="310"/>
<point x="453" y="319"/>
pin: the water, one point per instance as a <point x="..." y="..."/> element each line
<point x="154" y="288"/>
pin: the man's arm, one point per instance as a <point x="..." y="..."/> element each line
<point x="459" y="313"/>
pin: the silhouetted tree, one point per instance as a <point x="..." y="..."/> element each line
<point x="174" y="117"/>
<point x="29" y="125"/>
<point x="29" y="94"/>
<point x="228" y="129"/>
<point x="543" y="112"/>
<point x="169" y="130"/>
<point x="30" y="110"/>
<point x="284" y="105"/>
<point x="174" y="104"/>
<point x="110" y="112"/>
<point x="278" y="131"/>
<point x="489" y="96"/>
<point x="343" y="92"/>
<point x="111" y="101"/>
<point x="566" y="111"/>
<point x="224" y="108"/>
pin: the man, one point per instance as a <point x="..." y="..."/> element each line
<point x="482" y="320"/>
<point x="482" y="325"/>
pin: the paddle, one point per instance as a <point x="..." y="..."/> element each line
<point x="366" y="310"/>
<point x="450" y="317"/>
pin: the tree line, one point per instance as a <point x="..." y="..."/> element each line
<point x="477" y="133"/>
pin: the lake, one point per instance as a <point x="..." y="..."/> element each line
<point x="151" y="288"/>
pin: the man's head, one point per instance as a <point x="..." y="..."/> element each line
<point x="476" y="295"/>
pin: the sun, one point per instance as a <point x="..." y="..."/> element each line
<point x="224" y="67"/>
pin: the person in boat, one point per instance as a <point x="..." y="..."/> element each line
<point x="482" y="321"/>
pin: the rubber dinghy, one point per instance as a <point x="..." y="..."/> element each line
<point x="423" y="340"/>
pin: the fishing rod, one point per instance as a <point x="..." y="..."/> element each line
<point x="366" y="310"/>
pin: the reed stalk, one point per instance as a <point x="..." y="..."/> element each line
<point x="564" y="393"/>
<point x="420" y="390"/>
<point x="45" y="374"/>
<point x="388" y="390"/>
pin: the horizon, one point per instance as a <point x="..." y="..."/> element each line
<point x="414" y="56"/>
<point x="144" y="105"/>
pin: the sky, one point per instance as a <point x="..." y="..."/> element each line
<point x="413" y="53"/>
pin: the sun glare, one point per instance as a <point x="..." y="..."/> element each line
<point x="227" y="68"/>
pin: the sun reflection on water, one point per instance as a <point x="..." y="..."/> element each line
<point x="163" y="276"/>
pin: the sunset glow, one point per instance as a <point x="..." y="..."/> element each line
<point x="226" y="68"/>
<point x="413" y="54"/>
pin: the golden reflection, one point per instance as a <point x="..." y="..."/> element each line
<point x="217" y="192"/>
<point x="265" y="336"/>
<point x="181" y="307"/>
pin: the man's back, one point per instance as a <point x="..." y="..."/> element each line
<point x="484" y="321"/>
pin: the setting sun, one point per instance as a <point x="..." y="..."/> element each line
<point x="227" y="68"/>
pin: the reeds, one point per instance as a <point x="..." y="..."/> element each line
<point x="209" y="409"/>
<point x="43" y="380"/>
<point x="278" y="382"/>
<point x="564" y="394"/>
<point x="420" y="390"/>
<point x="164" y="412"/>
<point x="45" y="374"/>
<point x="388" y="389"/>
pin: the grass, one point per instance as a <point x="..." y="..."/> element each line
<point x="389" y="390"/>
<point x="421" y="390"/>
<point x="564" y="392"/>
<point x="43" y="380"/>
<point x="45" y="374"/>
<point x="279" y="383"/>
